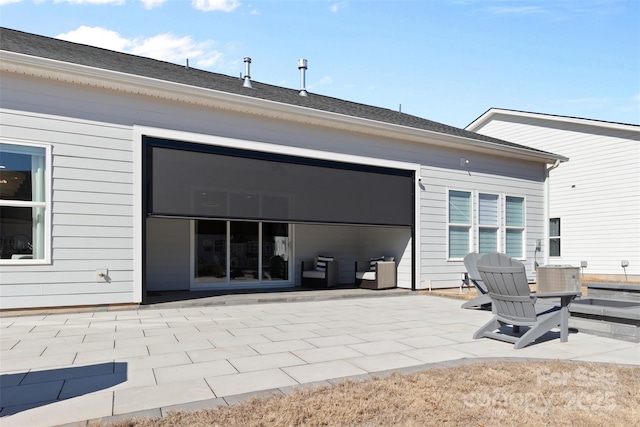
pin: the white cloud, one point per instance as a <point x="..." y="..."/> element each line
<point x="326" y="80"/>
<point x="168" y="47"/>
<point x="114" y="2"/>
<point x="3" y="2"/>
<point x="516" y="10"/>
<point x="335" y="7"/>
<point x="587" y="101"/>
<point x="164" y="47"/>
<point x="150" y="4"/>
<point x="209" y="5"/>
<point x="97" y="36"/>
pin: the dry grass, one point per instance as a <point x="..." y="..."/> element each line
<point x="505" y="393"/>
<point x="592" y="278"/>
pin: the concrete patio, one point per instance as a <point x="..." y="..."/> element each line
<point x="66" y="369"/>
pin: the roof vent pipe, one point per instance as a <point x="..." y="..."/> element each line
<point x="302" y="66"/>
<point x="247" y="76"/>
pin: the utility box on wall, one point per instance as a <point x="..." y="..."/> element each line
<point x="558" y="278"/>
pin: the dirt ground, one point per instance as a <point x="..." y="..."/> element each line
<point x="500" y="393"/>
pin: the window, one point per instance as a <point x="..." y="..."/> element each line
<point x="487" y="223"/>
<point x="459" y="223"/>
<point x="554" y="237"/>
<point x="514" y="214"/>
<point x="23" y="202"/>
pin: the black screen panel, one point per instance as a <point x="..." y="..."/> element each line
<point x="239" y="184"/>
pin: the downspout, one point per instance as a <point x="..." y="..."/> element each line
<point x="555" y="165"/>
<point x="547" y="209"/>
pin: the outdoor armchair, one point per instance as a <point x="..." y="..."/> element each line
<point x="322" y="272"/>
<point x="506" y="281"/>
<point x="473" y="275"/>
<point x="377" y="273"/>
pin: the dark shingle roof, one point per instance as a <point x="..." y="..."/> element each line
<point x="46" y="47"/>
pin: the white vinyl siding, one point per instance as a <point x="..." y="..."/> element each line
<point x="600" y="180"/>
<point x="94" y="163"/>
<point x="90" y="212"/>
<point x="484" y="174"/>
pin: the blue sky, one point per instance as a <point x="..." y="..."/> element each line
<point x="444" y="60"/>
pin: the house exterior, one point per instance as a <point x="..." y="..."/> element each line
<point x="123" y="175"/>
<point x="594" y="200"/>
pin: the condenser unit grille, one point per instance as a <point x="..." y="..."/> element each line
<point x="558" y="278"/>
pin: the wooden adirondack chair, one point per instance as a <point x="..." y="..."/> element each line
<point x="483" y="297"/>
<point x="506" y="281"/>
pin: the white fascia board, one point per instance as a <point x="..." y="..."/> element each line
<point x="491" y="113"/>
<point x="129" y="83"/>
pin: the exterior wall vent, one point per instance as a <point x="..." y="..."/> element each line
<point x="302" y="66"/>
<point x="247" y="75"/>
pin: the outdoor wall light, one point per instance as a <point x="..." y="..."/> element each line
<point x="464" y="162"/>
<point x="625" y="263"/>
<point x="583" y="265"/>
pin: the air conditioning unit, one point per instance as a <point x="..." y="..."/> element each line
<point x="558" y="278"/>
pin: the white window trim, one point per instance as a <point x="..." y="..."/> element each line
<point x="498" y="226"/>
<point x="470" y="224"/>
<point x="558" y="237"/>
<point x="523" y="250"/>
<point x="46" y="204"/>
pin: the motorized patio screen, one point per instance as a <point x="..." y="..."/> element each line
<point x="197" y="180"/>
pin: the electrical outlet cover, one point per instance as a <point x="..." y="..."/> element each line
<point x="102" y="275"/>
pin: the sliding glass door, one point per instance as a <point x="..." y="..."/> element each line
<point x="237" y="252"/>
<point x="244" y="251"/>
<point x="210" y="252"/>
<point x="275" y="251"/>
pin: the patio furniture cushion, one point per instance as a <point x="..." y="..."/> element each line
<point x="366" y="275"/>
<point x="373" y="262"/>
<point x="322" y="272"/>
<point x="313" y="274"/>
<point x="321" y="262"/>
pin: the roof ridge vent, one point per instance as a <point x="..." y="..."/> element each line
<point x="302" y="66"/>
<point x="247" y="75"/>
